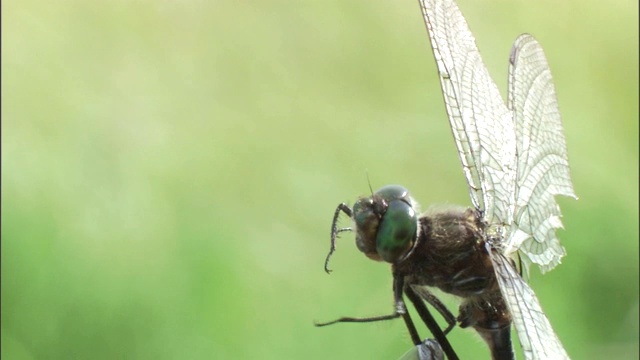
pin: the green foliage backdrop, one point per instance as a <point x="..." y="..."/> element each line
<point x="170" y="169"/>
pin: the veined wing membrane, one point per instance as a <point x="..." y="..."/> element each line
<point x="543" y="168"/>
<point x="514" y="159"/>
<point x="537" y="338"/>
<point x="482" y="124"/>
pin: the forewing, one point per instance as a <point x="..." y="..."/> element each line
<point x="543" y="168"/>
<point x="512" y="181"/>
<point x="537" y="338"/>
<point x="480" y="121"/>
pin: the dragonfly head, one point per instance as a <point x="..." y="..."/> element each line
<point x="386" y="224"/>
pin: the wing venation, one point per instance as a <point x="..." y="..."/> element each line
<point x="543" y="166"/>
<point x="513" y="156"/>
<point x="481" y="123"/>
<point x="537" y="338"/>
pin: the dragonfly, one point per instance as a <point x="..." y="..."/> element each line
<point x="514" y="159"/>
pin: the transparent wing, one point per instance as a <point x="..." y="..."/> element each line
<point x="537" y="338"/>
<point x="543" y="168"/>
<point x="481" y="123"/>
<point x="514" y="159"/>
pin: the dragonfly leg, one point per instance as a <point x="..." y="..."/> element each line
<point x="431" y="323"/>
<point x="342" y="208"/>
<point x="438" y="305"/>
<point x="400" y="310"/>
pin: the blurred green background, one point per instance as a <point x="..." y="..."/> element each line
<point x="170" y="170"/>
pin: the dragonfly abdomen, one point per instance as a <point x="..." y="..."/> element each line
<point x="489" y="316"/>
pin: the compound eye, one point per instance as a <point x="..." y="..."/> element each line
<point x="397" y="231"/>
<point x="394" y="192"/>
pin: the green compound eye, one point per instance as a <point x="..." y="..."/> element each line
<point x="393" y="192"/>
<point x="397" y="231"/>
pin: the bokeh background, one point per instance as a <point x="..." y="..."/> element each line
<point x="170" y="170"/>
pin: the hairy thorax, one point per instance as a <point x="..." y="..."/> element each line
<point x="450" y="254"/>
